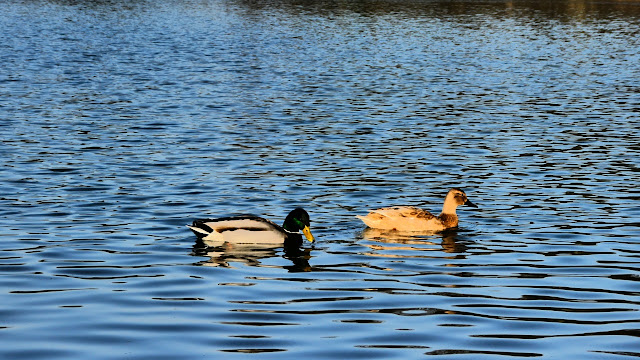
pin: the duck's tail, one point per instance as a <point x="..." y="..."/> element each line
<point x="199" y="229"/>
<point x="371" y="220"/>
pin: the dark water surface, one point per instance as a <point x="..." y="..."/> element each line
<point x="121" y="121"/>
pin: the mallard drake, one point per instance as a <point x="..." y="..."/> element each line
<point x="409" y="218"/>
<point x="253" y="230"/>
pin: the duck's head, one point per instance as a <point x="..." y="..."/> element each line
<point x="455" y="198"/>
<point x="297" y="220"/>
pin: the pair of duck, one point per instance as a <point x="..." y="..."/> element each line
<point x="253" y="229"/>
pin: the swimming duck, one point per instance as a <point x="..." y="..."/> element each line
<point x="253" y="230"/>
<point x="408" y="218"/>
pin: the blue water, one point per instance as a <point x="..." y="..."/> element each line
<point x="123" y="121"/>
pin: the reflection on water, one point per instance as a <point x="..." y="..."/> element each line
<point x="462" y="10"/>
<point x="448" y="240"/>
<point x="252" y="255"/>
<point x="122" y="121"/>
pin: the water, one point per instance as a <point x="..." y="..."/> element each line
<point x="123" y="121"/>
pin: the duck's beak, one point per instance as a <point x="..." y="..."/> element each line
<point x="469" y="203"/>
<point x="307" y="233"/>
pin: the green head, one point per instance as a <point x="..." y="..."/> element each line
<point x="297" y="220"/>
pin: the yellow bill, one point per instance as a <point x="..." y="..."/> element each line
<point x="307" y="233"/>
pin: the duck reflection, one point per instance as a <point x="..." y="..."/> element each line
<point x="388" y="239"/>
<point x="226" y="254"/>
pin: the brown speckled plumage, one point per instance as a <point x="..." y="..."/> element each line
<point x="448" y="220"/>
<point x="408" y="218"/>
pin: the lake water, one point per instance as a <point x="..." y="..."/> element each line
<point x="122" y="121"/>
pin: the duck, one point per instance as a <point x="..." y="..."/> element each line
<point x="409" y="218"/>
<point x="249" y="229"/>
